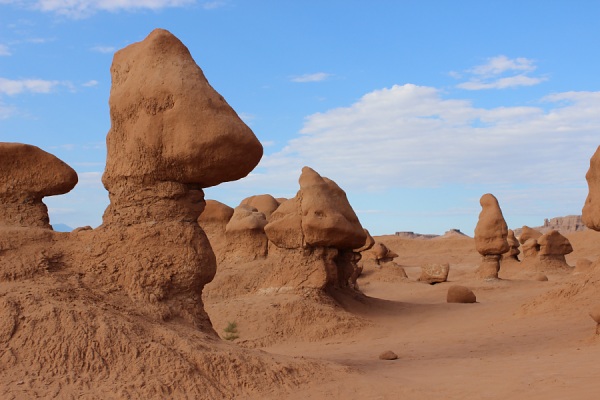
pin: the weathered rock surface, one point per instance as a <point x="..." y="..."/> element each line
<point x="318" y="217"/>
<point x="388" y="355"/>
<point x="245" y="234"/>
<point x="590" y="214"/>
<point x="168" y="124"/>
<point x="29" y="174"/>
<point x="434" y="273"/>
<point x="553" y="248"/>
<point x="513" y="244"/>
<point x="264" y="203"/>
<point x="528" y="233"/>
<point x="460" y="294"/>
<point x="491" y="235"/>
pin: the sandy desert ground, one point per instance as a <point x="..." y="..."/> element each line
<point x="523" y="339"/>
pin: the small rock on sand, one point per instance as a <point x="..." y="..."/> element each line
<point x="388" y="355"/>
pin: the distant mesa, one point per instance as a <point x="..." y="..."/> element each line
<point x="564" y="225"/>
<point x="413" y="235"/>
<point x="61" y="228"/>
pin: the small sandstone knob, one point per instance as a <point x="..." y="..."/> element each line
<point x="460" y="294"/>
<point x="264" y="203"/>
<point x="528" y="233"/>
<point x="388" y="355"/>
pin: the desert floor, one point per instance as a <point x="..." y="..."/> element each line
<point x="523" y="339"/>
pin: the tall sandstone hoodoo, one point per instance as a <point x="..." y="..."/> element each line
<point x="171" y="136"/>
<point x="491" y="235"/>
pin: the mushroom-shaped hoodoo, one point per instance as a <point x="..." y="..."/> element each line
<point x="28" y="175"/>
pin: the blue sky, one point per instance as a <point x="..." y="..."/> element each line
<point x="415" y="108"/>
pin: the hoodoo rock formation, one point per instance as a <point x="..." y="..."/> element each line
<point x="264" y="203"/>
<point x="491" y="235"/>
<point x="28" y="175"/>
<point x="513" y="244"/>
<point x="171" y="136"/>
<point x="553" y="248"/>
<point x="318" y="224"/>
<point x="245" y="234"/>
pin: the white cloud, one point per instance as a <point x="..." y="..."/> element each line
<point x="409" y="136"/>
<point x="500" y="72"/>
<point x="13" y="87"/>
<point x="501" y="64"/>
<point x="91" y="83"/>
<point x="104" y="49"/>
<point x="502" y="83"/>
<point x="316" y="77"/>
<point x="4" y="50"/>
<point x="85" y="8"/>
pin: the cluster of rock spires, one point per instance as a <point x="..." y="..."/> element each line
<point x="316" y="231"/>
<point x="494" y="241"/>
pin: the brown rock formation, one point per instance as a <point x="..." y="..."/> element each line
<point x="245" y="234"/>
<point x="513" y="244"/>
<point x="213" y="221"/>
<point x="28" y="175"/>
<point x="460" y="294"/>
<point x="382" y="254"/>
<point x="264" y="203"/>
<point x="553" y="248"/>
<point x="490" y="237"/>
<point x="171" y="135"/>
<point x="317" y="221"/>
<point x="434" y="273"/>
<point x="528" y="233"/>
<point x="591" y="209"/>
<point x="369" y="243"/>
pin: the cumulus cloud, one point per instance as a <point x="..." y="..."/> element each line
<point x="500" y="72"/>
<point x="316" y="77"/>
<point x="13" y="87"/>
<point x="410" y="136"/>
